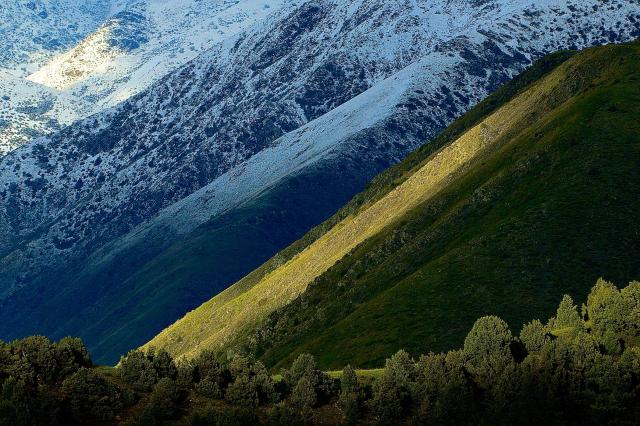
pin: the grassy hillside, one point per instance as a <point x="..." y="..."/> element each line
<point x="529" y="196"/>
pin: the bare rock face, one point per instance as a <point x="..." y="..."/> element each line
<point x="325" y="92"/>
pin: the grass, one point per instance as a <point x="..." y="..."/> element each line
<point x="201" y="325"/>
<point x="551" y="209"/>
<point x="532" y="201"/>
<point x="362" y="374"/>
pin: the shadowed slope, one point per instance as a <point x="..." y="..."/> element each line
<point x="450" y="204"/>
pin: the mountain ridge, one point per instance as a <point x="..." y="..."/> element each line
<point x="95" y="185"/>
<point x="279" y="319"/>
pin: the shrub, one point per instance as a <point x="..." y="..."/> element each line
<point x="185" y="375"/>
<point x="138" y="370"/>
<point x="252" y="384"/>
<point x="72" y="354"/>
<point x="243" y="392"/>
<point x="164" y="398"/>
<point x="567" y="314"/>
<point x="305" y="366"/>
<point x="34" y="359"/>
<point x="349" y="401"/>
<point x="226" y="417"/>
<point x="348" y="381"/>
<point x="631" y="316"/>
<point x="303" y="396"/>
<point x="392" y="392"/>
<point x="162" y="405"/>
<point x="604" y="305"/>
<point x="90" y="396"/>
<point x="163" y="364"/>
<point x="282" y="415"/>
<point x="210" y="387"/>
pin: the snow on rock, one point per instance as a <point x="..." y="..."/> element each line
<point x="32" y="31"/>
<point x="143" y="41"/>
<point x="114" y="52"/>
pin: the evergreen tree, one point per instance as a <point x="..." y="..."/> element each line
<point x="487" y="348"/>
<point x="534" y="336"/>
<point x="349" y="400"/>
<point x="567" y="314"/>
<point x="303" y="396"/>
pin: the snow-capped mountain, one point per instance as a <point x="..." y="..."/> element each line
<point x="29" y="110"/>
<point x="325" y="88"/>
<point x="121" y="48"/>
<point x="142" y="41"/>
<point x="32" y="31"/>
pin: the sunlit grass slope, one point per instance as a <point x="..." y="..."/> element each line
<point x="510" y="211"/>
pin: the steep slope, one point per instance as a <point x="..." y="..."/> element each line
<point x="143" y="41"/>
<point x="517" y="210"/>
<point x="33" y="31"/>
<point x="29" y="110"/>
<point x="121" y="48"/>
<point x="304" y="98"/>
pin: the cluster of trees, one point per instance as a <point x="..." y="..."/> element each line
<point x="42" y="382"/>
<point x="580" y="367"/>
<point x="246" y="391"/>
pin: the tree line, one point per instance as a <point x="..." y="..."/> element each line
<point x="582" y="366"/>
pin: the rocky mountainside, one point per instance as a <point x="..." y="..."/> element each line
<point x="114" y="52"/>
<point x="31" y="33"/>
<point x="324" y="93"/>
<point x="29" y="110"/>
<point x="144" y="40"/>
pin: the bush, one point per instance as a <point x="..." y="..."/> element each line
<point x="252" y="384"/>
<point x="90" y="396"/>
<point x="210" y="387"/>
<point x="567" y="314"/>
<point x="163" y="364"/>
<point x="34" y="360"/>
<point x="185" y="375"/>
<point x="282" y="415"/>
<point x="392" y="392"/>
<point x="225" y="417"/>
<point x="243" y="392"/>
<point x="138" y="370"/>
<point x="164" y="398"/>
<point x="305" y="366"/>
<point x="162" y="405"/>
<point x="605" y="308"/>
<point x="443" y="393"/>
<point x="348" y="381"/>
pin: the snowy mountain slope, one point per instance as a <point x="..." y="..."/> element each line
<point x="29" y="110"/>
<point x="87" y="188"/>
<point x="130" y="44"/>
<point x="143" y="41"/>
<point x="32" y="31"/>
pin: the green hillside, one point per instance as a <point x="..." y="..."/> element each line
<point x="529" y="196"/>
